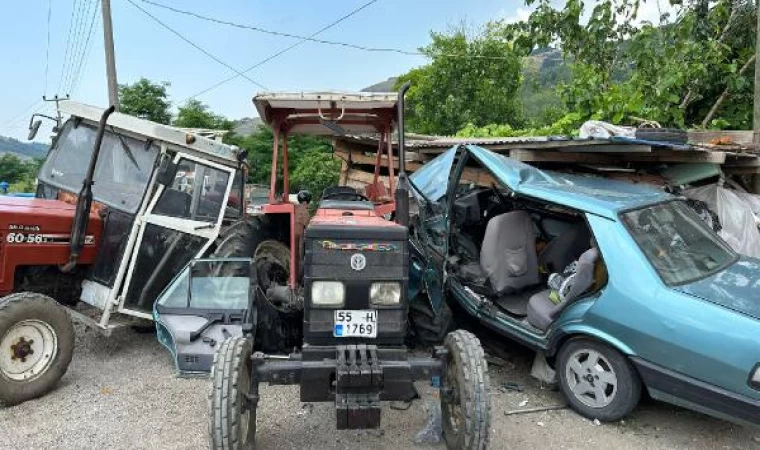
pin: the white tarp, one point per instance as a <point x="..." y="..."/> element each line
<point x="604" y="130"/>
<point x="735" y="212"/>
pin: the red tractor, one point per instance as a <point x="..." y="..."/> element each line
<point x="122" y="205"/>
<point x="338" y="281"/>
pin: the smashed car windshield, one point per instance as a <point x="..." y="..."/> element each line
<point x="677" y="243"/>
<point x="121" y="175"/>
<point x="433" y="178"/>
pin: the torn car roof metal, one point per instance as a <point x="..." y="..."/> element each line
<point x="595" y="195"/>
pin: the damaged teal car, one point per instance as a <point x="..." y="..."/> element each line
<point x="620" y="287"/>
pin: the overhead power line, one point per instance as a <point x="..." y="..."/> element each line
<point x="47" y="47"/>
<point x="318" y="41"/>
<point x="23" y="112"/>
<point x="79" y="42"/>
<point x="85" y="55"/>
<point x="198" y="47"/>
<point x="64" y="67"/>
<point x="286" y="49"/>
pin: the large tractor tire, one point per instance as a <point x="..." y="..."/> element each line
<point x="232" y="416"/>
<point x="465" y="398"/>
<point x="278" y="327"/>
<point x="430" y="326"/>
<point x="36" y="346"/>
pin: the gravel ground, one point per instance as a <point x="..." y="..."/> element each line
<point x="121" y="393"/>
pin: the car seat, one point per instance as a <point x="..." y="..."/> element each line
<point x="565" y="248"/>
<point x="542" y="311"/>
<point x="508" y="253"/>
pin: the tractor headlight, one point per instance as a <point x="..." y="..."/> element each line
<point x="385" y="293"/>
<point x="754" y="378"/>
<point x="328" y="293"/>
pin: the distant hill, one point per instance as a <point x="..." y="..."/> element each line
<point x="24" y="150"/>
<point x="542" y="71"/>
<point x="388" y="85"/>
<point x="247" y="126"/>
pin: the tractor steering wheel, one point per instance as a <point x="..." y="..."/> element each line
<point x="354" y="196"/>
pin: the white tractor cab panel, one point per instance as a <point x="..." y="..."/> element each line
<point x="165" y="192"/>
<point x="182" y="221"/>
<point x="206" y="303"/>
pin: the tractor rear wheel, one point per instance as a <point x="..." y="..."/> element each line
<point x="36" y="346"/>
<point x="465" y="400"/>
<point x="278" y="329"/>
<point x="429" y="325"/>
<point x="232" y="398"/>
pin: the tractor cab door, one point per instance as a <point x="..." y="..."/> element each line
<point x="430" y="233"/>
<point x="181" y="222"/>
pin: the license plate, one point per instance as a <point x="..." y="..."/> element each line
<point x="355" y="323"/>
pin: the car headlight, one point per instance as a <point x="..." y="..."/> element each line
<point x="754" y="379"/>
<point x="385" y="293"/>
<point x="328" y="293"/>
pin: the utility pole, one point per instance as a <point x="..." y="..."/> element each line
<point x="113" y="86"/>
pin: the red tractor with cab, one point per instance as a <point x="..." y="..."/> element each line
<point x="122" y="205"/>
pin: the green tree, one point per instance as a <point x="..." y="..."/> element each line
<point x="259" y="146"/>
<point x="196" y="114"/>
<point x="315" y="171"/>
<point x="678" y="71"/>
<point x="19" y="173"/>
<point x="451" y="92"/>
<point x="146" y="99"/>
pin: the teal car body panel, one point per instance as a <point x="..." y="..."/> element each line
<point x="694" y="341"/>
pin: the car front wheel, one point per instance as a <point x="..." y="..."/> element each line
<point x="597" y="381"/>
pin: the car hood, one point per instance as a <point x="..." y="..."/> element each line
<point x="737" y="287"/>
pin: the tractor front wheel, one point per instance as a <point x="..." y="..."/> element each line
<point x="36" y="346"/>
<point x="232" y="399"/>
<point x="465" y="400"/>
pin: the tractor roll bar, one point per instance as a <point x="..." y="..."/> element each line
<point x="402" y="194"/>
<point x="84" y="201"/>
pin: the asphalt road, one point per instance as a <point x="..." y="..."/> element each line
<point x="121" y="393"/>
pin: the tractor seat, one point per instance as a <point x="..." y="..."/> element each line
<point x="351" y="205"/>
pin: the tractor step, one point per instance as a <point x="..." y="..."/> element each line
<point x="91" y="316"/>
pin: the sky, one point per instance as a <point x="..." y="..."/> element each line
<point x="143" y="48"/>
<point x="31" y="68"/>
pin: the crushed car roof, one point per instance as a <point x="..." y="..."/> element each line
<point x="595" y="195"/>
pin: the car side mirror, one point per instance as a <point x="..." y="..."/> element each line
<point x="167" y="172"/>
<point x="33" y="129"/>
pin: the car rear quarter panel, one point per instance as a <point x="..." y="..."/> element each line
<point x="643" y="317"/>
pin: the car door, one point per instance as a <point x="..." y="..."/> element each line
<point x="182" y="221"/>
<point x="429" y="234"/>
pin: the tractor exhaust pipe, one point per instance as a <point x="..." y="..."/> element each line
<point x="402" y="191"/>
<point x="84" y="201"/>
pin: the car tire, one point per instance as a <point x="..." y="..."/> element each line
<point x="232" y="419"/>
<point x="465" y="396"/>
<point x="597" y="380"/>
<point x="430" y="326"/>
<point x="43" y="329"/>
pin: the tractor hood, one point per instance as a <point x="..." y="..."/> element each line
<point x="595" y="195"/>
<point x="33" y="204"/>
<point x="736" y="287"/>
